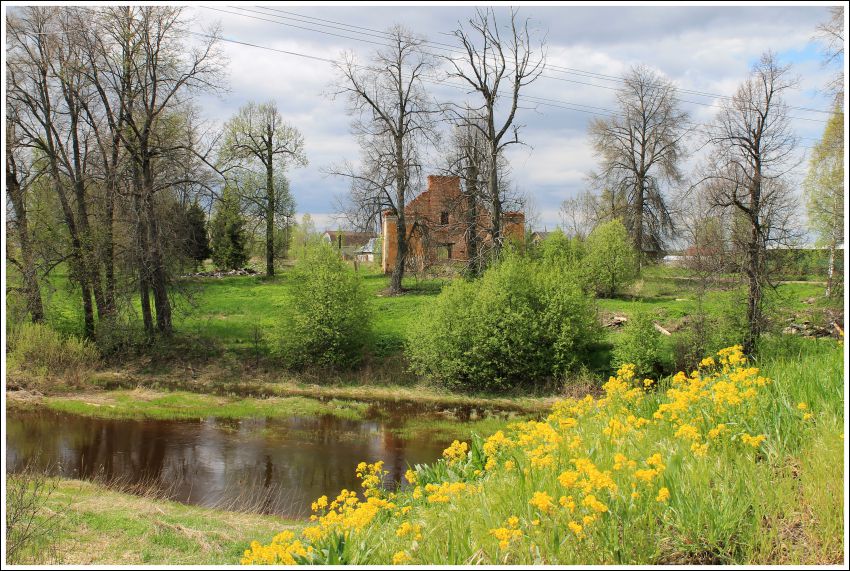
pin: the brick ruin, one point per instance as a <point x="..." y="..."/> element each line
<point x="437" y="224"/>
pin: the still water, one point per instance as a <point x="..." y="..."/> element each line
<point x="266" y="465"/>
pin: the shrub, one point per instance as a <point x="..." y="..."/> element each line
<point x="522" y="322"/>
<point x="41" y="351"/>
<point x="611" y="262"/>
<point x="119" y="336"/>
<point x="641" y="344"/>
<point x="329" y="323"/>
<point x="31" y="528"/>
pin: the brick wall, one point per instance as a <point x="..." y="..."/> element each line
<point x="436" y="224"/>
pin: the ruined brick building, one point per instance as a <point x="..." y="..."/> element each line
<point x="438" y="222"/>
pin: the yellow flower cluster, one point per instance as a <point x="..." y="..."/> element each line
<point x="456" y="452"/>
<point x="406" y="528"/>
<point x="595" y="455"/>
<point x="754" y="441"/>
<point x="281" y="551"/>
<point x="441" y="494"/>
<point x="542" y="501"/>
<point x="508" y="533"/>
<point x="371" y="476"/>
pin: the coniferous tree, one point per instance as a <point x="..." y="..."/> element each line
<point x="229" y="237"/>
<point x="197" y="240"/>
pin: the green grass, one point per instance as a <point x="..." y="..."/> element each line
<point x="242" y="314"/>
<point x="145" y="404"/>
<point x="674" y="299"/>
<point x="227" y="328"/>
<point x="96" y="525"/>
<point x="449" y="429"/>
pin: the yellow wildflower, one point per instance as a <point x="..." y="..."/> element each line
<point x="542" y="501"/>
<point x="456" y="452"/>
<point x="576" y="528"/>
<point x="753" y="441"/>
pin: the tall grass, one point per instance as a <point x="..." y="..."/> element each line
<point x="720" y="466"/>
<point x="41" y="351"/>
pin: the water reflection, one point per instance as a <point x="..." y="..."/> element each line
<point x="268" y="465"/>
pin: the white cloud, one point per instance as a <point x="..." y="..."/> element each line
<point x="707" y="49"/>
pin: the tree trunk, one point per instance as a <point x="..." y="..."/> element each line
<point x="472" y="266"/>
<point x="401" y="225"/>
<point x="270" y="205"/>
<point x="144" y="297"/>
<point x="496" y="206"/>
<point x="158" y="277"/>
<point x="142" y="260"/>
<point x="31" y="287"/>
<point x="78" y="263"/>
<point x="754" y="293"/>
<point x="638" y="221"/>
<point x="830" y="270"/>
<point x="108" y="258"/>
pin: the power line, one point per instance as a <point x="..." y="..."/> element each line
<point x="371" y="32"/>
<point x="453" y="48"/>
<point x="556" y="103"/>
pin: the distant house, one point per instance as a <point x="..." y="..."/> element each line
<point x="367" y="252"/>
<point x="349" y="243"/>
<point x="675" y="260"/>
<point x="539" y="236"/>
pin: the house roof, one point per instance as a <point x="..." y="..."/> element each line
<point x="368" y="248"/>
<point x="349" y="238"/>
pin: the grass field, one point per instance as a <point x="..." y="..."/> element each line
<point x="89" y="524"/>
<point x="226" y="330"/>
<point x="240" y="315"/>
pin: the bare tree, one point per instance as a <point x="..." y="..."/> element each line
<point x="832" y="34"/>
<point x="468" y="159"/>
<point x="496" y="68"/>
<point x="641" y="149"/>
<point x="581" y="214"/>
<point x="258" y="133"/>
<point x="751" y="151"/>
<point x="392" y="116"/>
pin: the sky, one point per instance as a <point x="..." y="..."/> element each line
<point x="705" y="49"/>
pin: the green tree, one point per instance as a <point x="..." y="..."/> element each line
<point x="611" y="262"/>
<point x="197" y="240"/>
<point x="304" y="235"/>
<point x="330" y="318"/>
<point x="824" y="188"/>
<point x="229" y="238"/>
<point x="257" y="136"/>
<point x="558" y="248"/>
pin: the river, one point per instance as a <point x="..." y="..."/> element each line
<point x="274" y="466"/>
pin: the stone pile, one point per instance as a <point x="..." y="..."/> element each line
<point x="223" y="273"/>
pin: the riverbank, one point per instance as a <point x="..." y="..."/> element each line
<point x="441" y="417"/>
<point x="230" y="386"/>
<point x="92" y="524"/>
